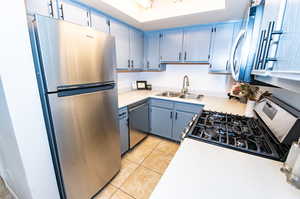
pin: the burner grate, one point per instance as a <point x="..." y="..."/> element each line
<point x="236" y="132"/>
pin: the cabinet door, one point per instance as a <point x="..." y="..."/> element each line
<point x="221" y="47"/>
<point x="152" y="49"/>
<point x="74" y="13"/>
<point x="161" y="121"/>
<point x="196" y="44"/>
<point x="99" y="22"/>
<point x="42" y="7"/>
<point x="271" y="12"/>
<point x="121" y="33"/>
<point x="123" y="125"/>
<point x="171" y="46"/>
<point x="288" y="52"/>
<point x="136" y="48"/>
<point x="181" y="121"/>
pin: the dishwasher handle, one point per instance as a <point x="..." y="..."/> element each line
<point x="137" y="107"/>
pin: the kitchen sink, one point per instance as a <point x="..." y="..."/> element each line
<point x="173" y="94"/>
<point x="170" y="94"/>
<point x="190" y="96"/>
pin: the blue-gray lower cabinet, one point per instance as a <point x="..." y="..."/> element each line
<point x="180" y="122"/>
<point x="161" y="121"/>
<point x="168" y="119"/>
<point x="124" y="130"/>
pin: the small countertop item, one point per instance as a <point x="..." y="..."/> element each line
<point x="201" y="170"/>
<point x="218" y="104"/>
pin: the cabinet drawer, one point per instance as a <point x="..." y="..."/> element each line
<point x="162" y="103"/>
<point x="123" y="113"/>
<point x="192" y="108"/>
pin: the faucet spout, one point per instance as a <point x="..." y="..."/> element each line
<point x="186" y="84"/>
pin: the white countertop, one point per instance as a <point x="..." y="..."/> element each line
<point x="210" y="103"/>
<point x="201" y="170"/>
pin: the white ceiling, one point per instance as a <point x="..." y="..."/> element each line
<point x="166" y="14"/>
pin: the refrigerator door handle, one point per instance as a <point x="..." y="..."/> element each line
<point x="82" y="86"/>
<point x="70" y="91"/>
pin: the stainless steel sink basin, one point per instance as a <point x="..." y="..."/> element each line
<point x="190" y="96"/>
<point x="180" y="95"/>
<point x="170" y="94"/>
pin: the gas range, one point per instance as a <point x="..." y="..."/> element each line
<point x="249" y="135"/>
<point x="235" y="132"/>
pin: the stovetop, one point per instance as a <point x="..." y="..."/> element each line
<point x="235" y="132"/>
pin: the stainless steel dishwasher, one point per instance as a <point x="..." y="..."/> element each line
<point x="138" y="122"/>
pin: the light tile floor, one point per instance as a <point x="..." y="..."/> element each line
<point x="141" y="170"/>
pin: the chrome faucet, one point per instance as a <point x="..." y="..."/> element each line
<point x="186" y="84"/>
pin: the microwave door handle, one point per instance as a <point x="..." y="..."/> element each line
<point x="233" y="53"/>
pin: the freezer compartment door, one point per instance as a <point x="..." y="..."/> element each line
<point x="71" y="54"/>
<point x="87" y="139"/>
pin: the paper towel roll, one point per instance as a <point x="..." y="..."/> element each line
<point x="293" y="155"/>
<point x="296" y="167"/>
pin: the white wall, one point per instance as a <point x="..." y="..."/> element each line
<point x="12" y="166"/>
<point x="200" y="80"/>
<point x="26" y="131"/>
<point x="125" y="81"/>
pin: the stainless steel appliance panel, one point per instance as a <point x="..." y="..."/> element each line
<point x="276" y="118"/>
<point x="138" y="123"/>
<point x="87" y="137"/>
<point x="71" y="54"/>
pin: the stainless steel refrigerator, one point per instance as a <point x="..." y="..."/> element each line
<point x="76" y="74"/>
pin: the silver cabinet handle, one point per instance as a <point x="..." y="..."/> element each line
<point x="176" y="115"/>
<point x="148" y="64"/>
<point x="260" y="49"/>
<point x="179" y="56"/>
<point x="62" y="11"/>
<point x="128" y="63"/>
<point x="227" y="62"/>
<point x="51" y="11"/>
<point x="131" y="63"/>
<point x="267" y="58"/>
<point x="171" y="115"/>
<point x="185" y="55"/>
<point x="268" y="44"/>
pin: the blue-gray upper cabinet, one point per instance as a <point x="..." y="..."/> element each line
<point x="196" y="44"/>
<point x="287" y="65"/>
<point x="99" y="22"/>
<point x="161" y="121"/>
<point x="122" y="37"/>
<point x="136" y="49"/>
<point x="42" y="7"/>
<point x="74" y="13"/>
<point x="222" y="40"/>
<point x="271" y="12"/>
<point x="152" y="50"/>
<point x="171" y="45"/>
